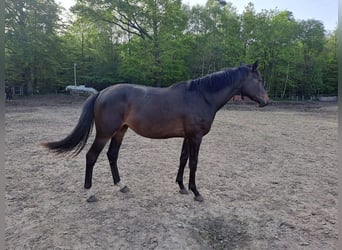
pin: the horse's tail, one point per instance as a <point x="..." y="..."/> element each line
<point x="77" y="139"/>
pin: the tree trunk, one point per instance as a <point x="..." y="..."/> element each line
<point x="28" y="81"/>
<point x="286" y="80"/>
<point x="156" y="48"/>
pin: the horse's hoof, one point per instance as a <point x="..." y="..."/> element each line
<point x="92" y="199"/>
<point x="125" y="189"/>
<point x="199" y="198"/>
<point x="183" y="191"/>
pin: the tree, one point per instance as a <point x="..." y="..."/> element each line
<point x="32" y="44"/>
<point x="128" y="15"/>
<point x="93" y="47"/>
<point x="330" y="65"/>
<point x="159" y="42"/>
<point x="215" y="34"/>
<point x="283" y="50"/>
<point x="159" y="22"/>
<point x="312" y="42"/>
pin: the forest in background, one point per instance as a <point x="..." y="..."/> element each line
<point x="160" y="42"/>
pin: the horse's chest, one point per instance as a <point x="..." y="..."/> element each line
<point x="199" y="124"/>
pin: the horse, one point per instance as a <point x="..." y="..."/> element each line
<point x="185" y="110"/>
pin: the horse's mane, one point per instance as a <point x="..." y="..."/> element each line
<point x="219" y="80"/>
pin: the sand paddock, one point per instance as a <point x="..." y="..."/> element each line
<point x="268" y="177"/>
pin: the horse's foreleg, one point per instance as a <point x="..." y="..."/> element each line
<point x="113" y="153"/>
<point x="91" y="158"/>
<point x="194" y="146"/>
<point x="182" y="163"/>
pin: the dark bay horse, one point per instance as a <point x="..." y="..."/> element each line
<point x="184" y="109"/>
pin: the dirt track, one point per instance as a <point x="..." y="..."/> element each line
<point x="268" y="177"/>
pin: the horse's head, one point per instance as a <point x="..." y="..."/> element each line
<point x="252" y="86"/>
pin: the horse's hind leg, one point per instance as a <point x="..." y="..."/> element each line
<point x="91" y="158"/>
<point x="182" y="163"/>
<point x="113" y="153"/>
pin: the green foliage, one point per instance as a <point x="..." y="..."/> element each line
<point x="92" y="47"/>
<point x="330" y="65"/>
<point x="159" y="42"/>
<point x="215" y="38"/>
<point x="32" y="45"/>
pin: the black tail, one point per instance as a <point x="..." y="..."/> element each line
<point x="77" y="139"/>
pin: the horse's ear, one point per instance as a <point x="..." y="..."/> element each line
<point x="255" y="65"/>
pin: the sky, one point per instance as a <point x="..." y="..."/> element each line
<point x="323" y="10"/>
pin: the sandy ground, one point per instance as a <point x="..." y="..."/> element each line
<point x="268" y="177"/>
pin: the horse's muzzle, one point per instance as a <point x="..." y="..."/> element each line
<point x="263" y="103"/>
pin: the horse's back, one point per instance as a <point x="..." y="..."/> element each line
<point x="151" y="112"/>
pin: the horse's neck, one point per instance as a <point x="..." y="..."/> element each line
<point x="220" y="98"/>
<point x="218" y="88"/>
<point x="223" y="99"/>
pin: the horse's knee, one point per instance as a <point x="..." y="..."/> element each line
<point x="193" y="164"/>
<point x="183" y="159"/>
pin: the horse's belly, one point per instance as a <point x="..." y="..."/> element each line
<point x="157" y="129"/>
